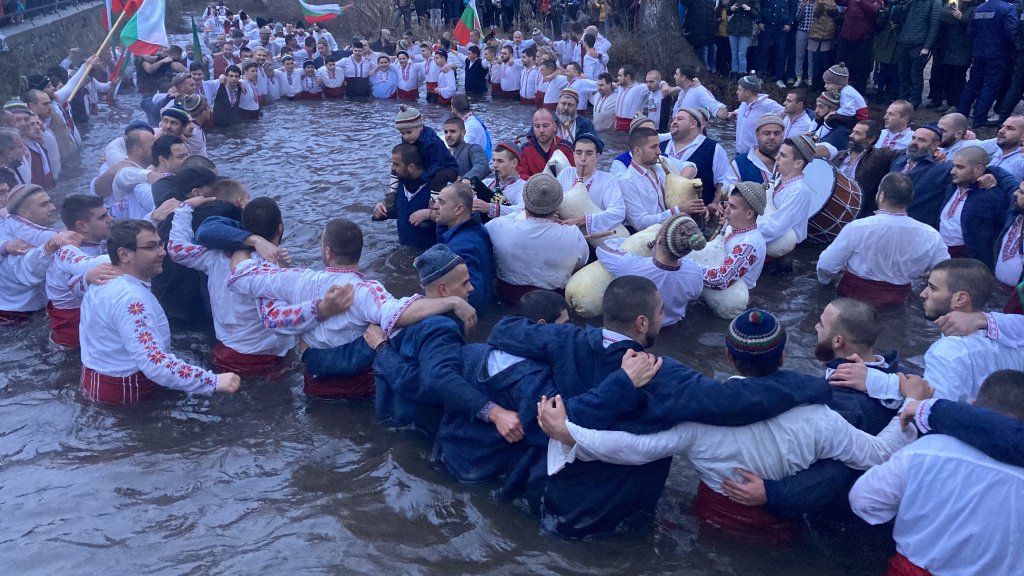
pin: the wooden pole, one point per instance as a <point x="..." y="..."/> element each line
<point x="106" y="42"/>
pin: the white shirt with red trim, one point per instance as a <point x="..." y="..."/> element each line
<point x="409" y="78"/>
<point x="604" y="192"/>
<point x="23" y="278"/>
<point x="678" y="285"/>
<point x="373" y="303"/>
<point x="745" y="253"/>
<point x="643" y="193"/>
<point x="124" y="331"/>
<point x="65" y="280"/>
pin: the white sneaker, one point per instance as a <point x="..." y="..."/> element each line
<point x="780" y="84"/>
<point x="797" y="83"/>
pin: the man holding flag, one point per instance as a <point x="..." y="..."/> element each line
<point x="469" y="22"/>
<point x="323" y="12"/>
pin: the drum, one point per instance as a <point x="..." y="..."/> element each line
<point x="835" y="201"/>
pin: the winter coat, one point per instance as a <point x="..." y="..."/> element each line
<point x="885" y="37"/>
<point x="918" y="22"/>
<point x="823" y="27"/>
<point x="741" y="22"/>
<point x="700" y="20"/>
<point x="778" y="12"/>
<point x="956" y="45"/>
<point x="859" y="20"/>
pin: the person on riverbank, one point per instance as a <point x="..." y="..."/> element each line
<point x="125" y="341"/>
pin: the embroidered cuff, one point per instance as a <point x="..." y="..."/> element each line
<point x="316" y="310"/>
<point x="485" y="412"/>
<point x="924" y="411"/>
<point x="992" y="328"/>
<point x="493" y="210"/>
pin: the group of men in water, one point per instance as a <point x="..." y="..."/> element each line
<point x="579" y="421"/>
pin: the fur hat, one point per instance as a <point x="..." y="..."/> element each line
<point x="681" y="235"/>
<point x="542" y="194"/>
<point x="837" y="74"/>
<point x="408" y="118"/>
<point x="755" y="195"/>
<point x="756" y="336"/>
<point x="435" y="262"/>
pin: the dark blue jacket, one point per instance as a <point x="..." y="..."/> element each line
<point x="999" y="436"/>
<point x="983" y="215"/>
<point x="777" y="12"/>
<point x="593" y="497"/>
<point x="419" y="376"/>
<point x="425" y="235"/>
<point x="931" y="179"/>
<point x="992" y="29"/>
<point x="471" y="241"/>
<point x="436" y="156"/>
<point x="472" y="450"/>
<point x="825" y="482"/>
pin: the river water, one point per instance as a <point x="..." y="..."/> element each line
<point x="267" y="481"/>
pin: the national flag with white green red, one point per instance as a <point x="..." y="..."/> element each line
<point x="322" y="12"/>
<point x="145" y="34"/>
<point x="469" y="21"/>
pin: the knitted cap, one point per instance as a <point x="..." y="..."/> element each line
<point x="593" y="138"/>
<point x="176" y="113"/>
<point x="408" y="118"/>
<point x="755" y="195"/>
<point x="308" y="63"/>
<point x="638" y="119"/>
<point x="570" y="92"/>
<point x="17" y="106"/>
<point x="542" y="194"/>
<point x="179" y="78"/>
<point x="804" y="146"/>
<point x="751" y="82"/>
<point x="288" y="57"/>
<point x="770" y="120"/>
<point x="681" y="235"/>
<point x="837" y="74"/>
<point x="435" y="262"/>
<point x="829" y="98"/>
<point x="188" y="103"/>
<point x="698" y="114"/>
<point x="756" y="336"/>
<point x="247" y="63"/>
<point x="18" y="194"/>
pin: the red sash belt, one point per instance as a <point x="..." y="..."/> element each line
<point x="261" y="100"/>
<point x="550" y="105"/>
<point x="431" y="86"/>
<point x="539" y="99"/>
<point x="509" y="94"/>
<point x="14" y="318"/>
<point x="511" y="293"/>
<point x="64" y="325"/>
<point x="875" y="292"/>
<point x="527" y="101"/>
<point x="358" y="387"/>
<point x="496" y="91"/>
<point x="443" y="100"/>
<point x="116" y="389"/>
<point x="957" y="251"/>
<point x="622" y="124"/>
<point x="750" y="522"/>
<point x="410" y="95"/>
<point x="226" y="359"/>
<point x="900" y="566"/>
<point x="334" y="93"/>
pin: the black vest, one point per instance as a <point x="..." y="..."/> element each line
<point x="704" y="158"/>
<point x="476" y="78"/>
<point x="224" y="113"/>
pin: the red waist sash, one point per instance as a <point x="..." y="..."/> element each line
<point x="957" y="251"/>
<point x="411" y="95"/>
<point x="539" y="99"/>
<point x="527" y="101"/>
<point x="121" y="390"/>
<point x="8" y="318"/>
<point x="496" y="91"/>
<point x="431" y="86"/>
<point x="63" y="325"/>
<point x="900" y="566"/>
<point x="334" y="93"/>
<point x="750" y="522"/>
<point x="875" y="292"/>
<point x="550" y="105"/>
<point x="443" y="100"/>
<point x="358" y="387"/>
<point x="308" y="96"/>
<point x="227" y="359"/>
<point x="622" y="124"/>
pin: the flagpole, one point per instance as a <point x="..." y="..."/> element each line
<point x="103" y="46"/>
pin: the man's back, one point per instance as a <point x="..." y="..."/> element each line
<point x="958" y="511"/>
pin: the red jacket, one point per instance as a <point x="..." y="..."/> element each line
<point x="534" y="160"/>
<point x="859" y="23"/>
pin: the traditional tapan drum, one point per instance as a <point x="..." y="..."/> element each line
<point x="835" y="201"/>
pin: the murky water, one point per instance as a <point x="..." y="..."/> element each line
<point x="266" y="481"/>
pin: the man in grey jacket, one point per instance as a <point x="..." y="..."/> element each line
<point x="471" y="157"/>
<point x="918" y="24"/>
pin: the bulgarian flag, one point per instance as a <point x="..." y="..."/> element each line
<point x="111" y="10"/>
<point x="469" y="21"/>
<point x="144" y="34"/>
<point x="323" y="12"/>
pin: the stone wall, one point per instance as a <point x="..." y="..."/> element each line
<point x="34" y="48"/>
